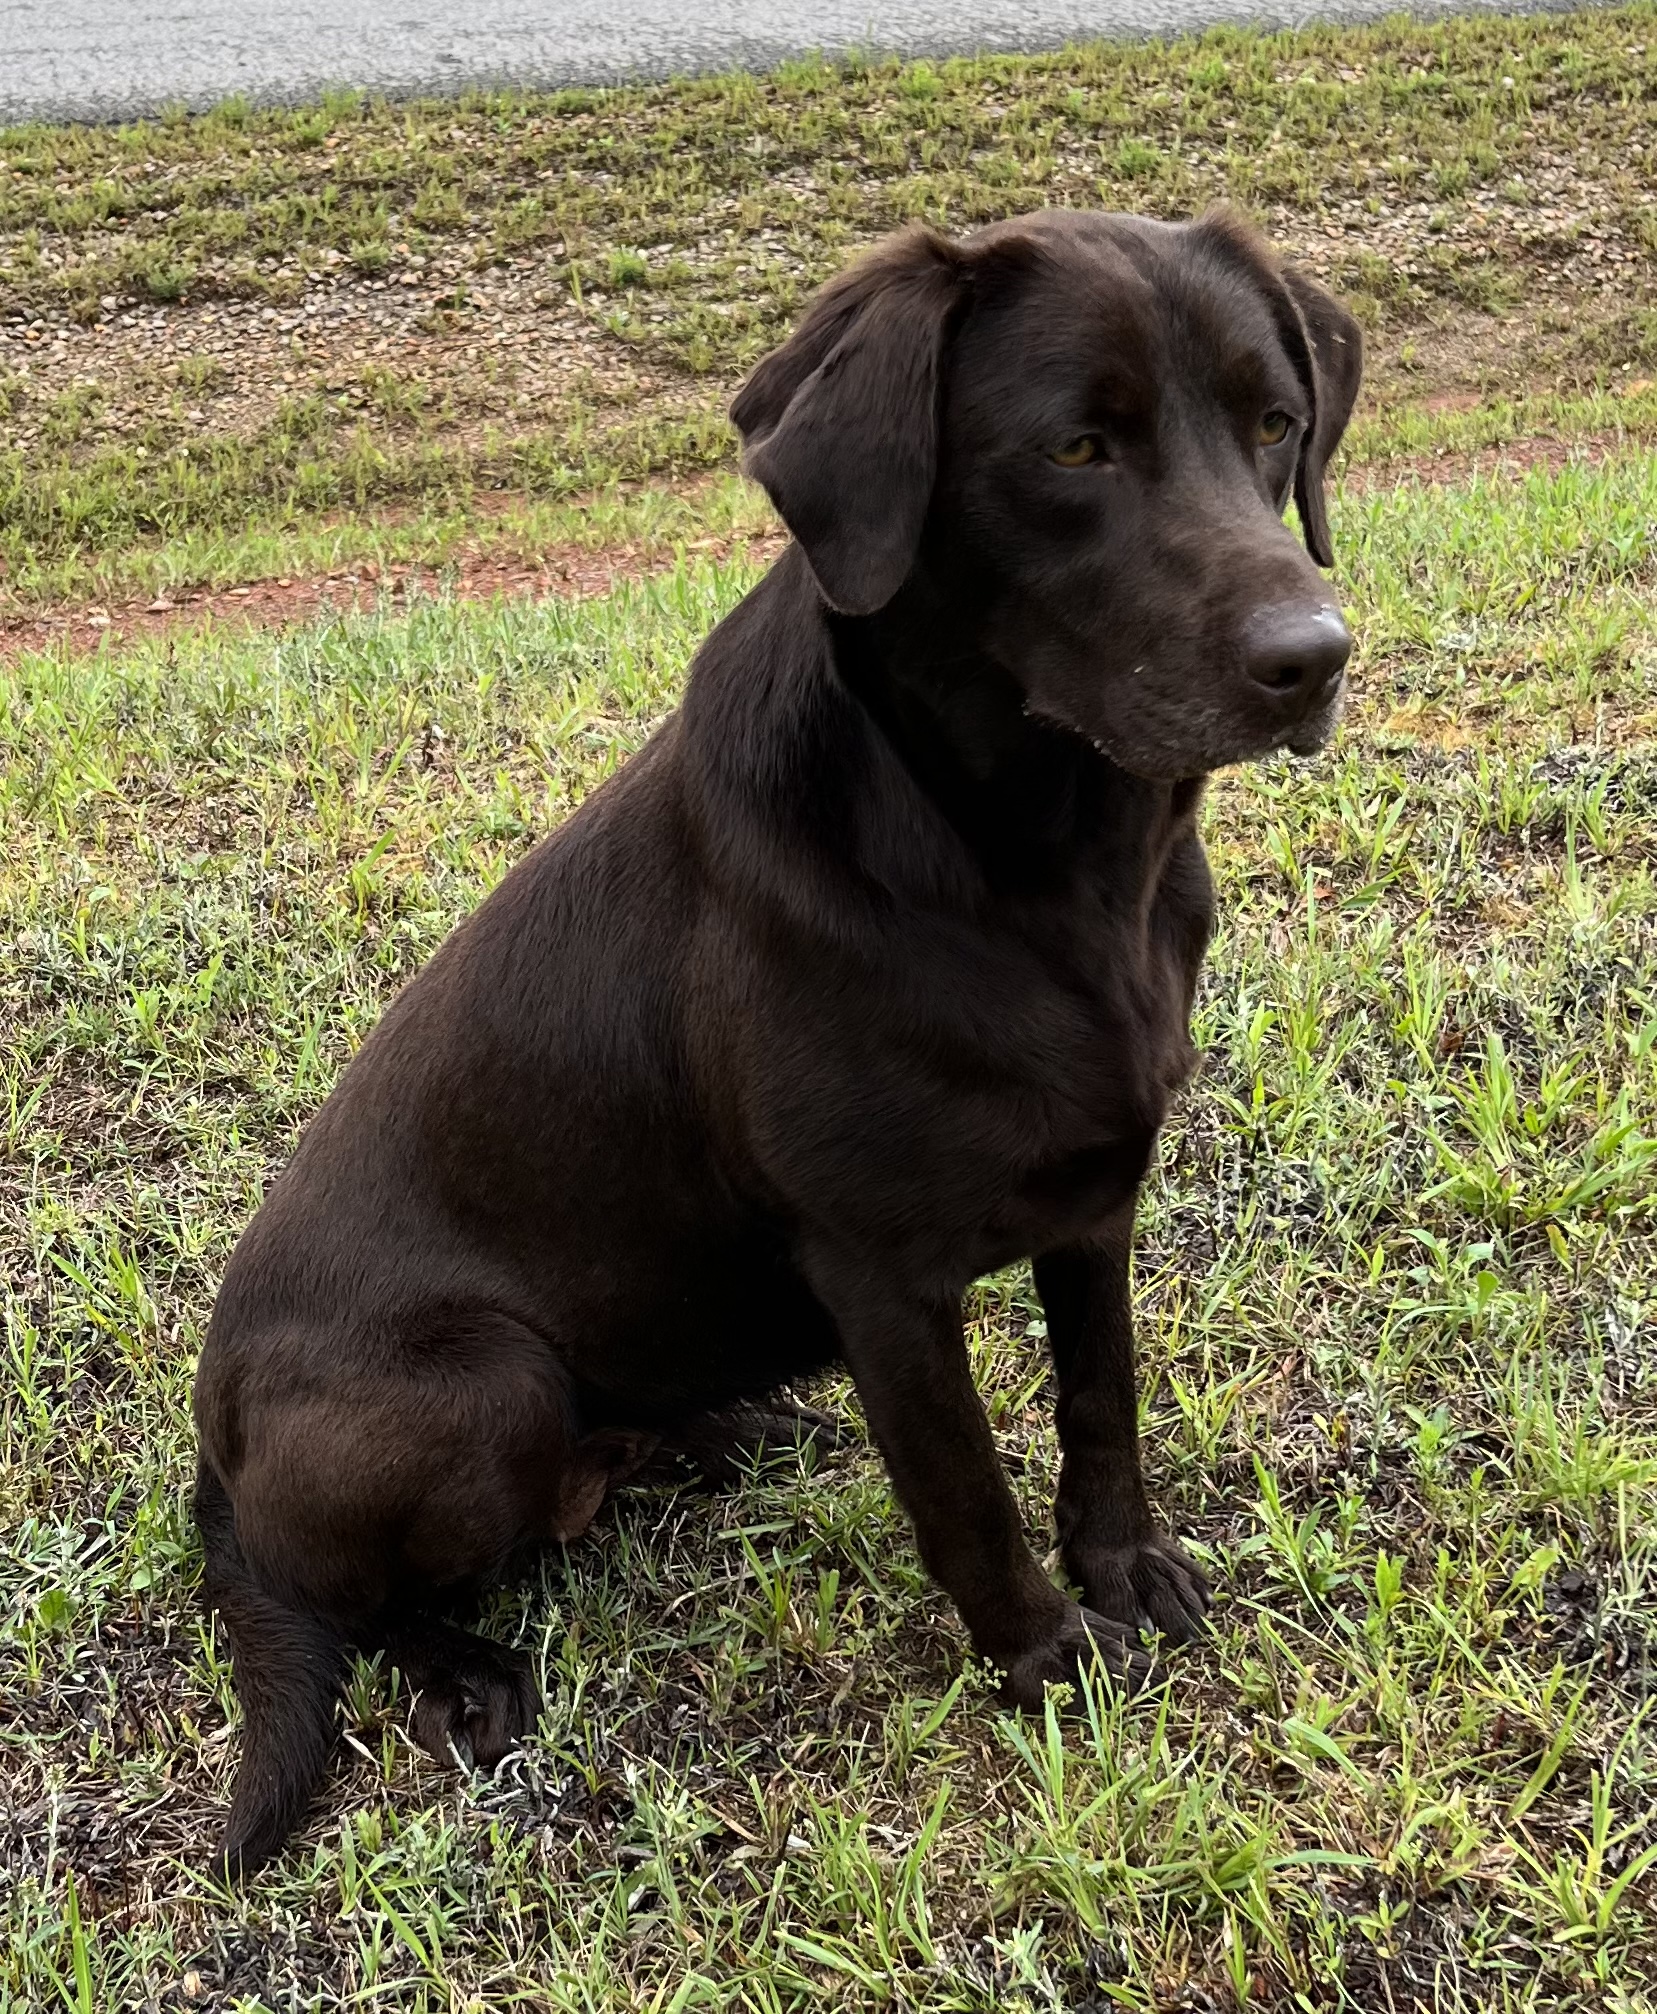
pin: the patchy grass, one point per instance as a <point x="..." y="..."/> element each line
<point x="269" y="318"/>
<point x="515" y="545"/>
<point x="1396" y="1288"/>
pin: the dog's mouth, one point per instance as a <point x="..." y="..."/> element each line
<point x="1313" y="735"/>
<point x="1169" y="736"/>
<point x="1212" y="743"/>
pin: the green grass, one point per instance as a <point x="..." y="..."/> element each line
<point x="575" y="281"/>
<point x="1396" y="1283"/>
<point x="649" y="521"/>
<point x="644" y="522"/>
<point x="772" y="178"/>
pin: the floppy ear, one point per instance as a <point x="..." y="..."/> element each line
<point x="1337" y="346"/>
<point x="840" y="425"/>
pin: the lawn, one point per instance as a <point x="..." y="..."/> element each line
<point x="1398" y="1265"/>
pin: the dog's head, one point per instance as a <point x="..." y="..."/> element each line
<point x="1080" y="433"/>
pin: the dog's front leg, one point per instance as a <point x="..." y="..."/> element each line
<point x="1125" y="1564"/>
<point x="908" y="1357"/>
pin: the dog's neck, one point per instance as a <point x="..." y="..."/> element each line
<point x="809" y="724"/>
<point x="1035" y="802"/>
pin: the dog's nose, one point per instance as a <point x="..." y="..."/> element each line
<point x="1295" y="649"/>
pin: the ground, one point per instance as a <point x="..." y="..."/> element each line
<point x="1398" y="1261"/>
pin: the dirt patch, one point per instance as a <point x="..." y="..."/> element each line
<point x="1445" y="467"/>
<point x="567" y="572"/>
<point x="386" y="354"/>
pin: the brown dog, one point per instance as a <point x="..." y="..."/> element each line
<point x="870" y="974"/>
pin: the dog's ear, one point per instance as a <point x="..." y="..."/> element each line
<point x="840" y="425"/>
<point x="1337" y="346"/>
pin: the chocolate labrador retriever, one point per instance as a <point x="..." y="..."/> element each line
<point x="871" y="973"/>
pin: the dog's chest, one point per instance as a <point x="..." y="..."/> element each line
<point x="1107" y="1046"/>
<point x="992" y="1084"/>
<point x="1121" y="1049"/>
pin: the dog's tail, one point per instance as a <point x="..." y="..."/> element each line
<point x="288" y="1668"/>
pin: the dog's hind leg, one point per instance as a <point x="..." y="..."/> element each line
<point x="288" y="1667"/>
<point x="474" y="1701"/>
<point x="727" y="1443"/>
<point x="387" y="1489"/>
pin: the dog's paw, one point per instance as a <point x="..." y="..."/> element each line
<point x="1080" y="1640"/>
<point x="477" y="1707"/>
<point x="725" y="1445"/>
<point x="1151" y="1581"/>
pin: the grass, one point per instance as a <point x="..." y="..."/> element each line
<point x="1396" y="1284"/>
<point x="648" y="522"/>
<point x="285" y="321"/>
<point x="1398" y="1267"/>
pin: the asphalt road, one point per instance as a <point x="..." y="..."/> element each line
<point x="113" y="59"/>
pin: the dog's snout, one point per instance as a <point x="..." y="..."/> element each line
<point x="1295" y="649"/>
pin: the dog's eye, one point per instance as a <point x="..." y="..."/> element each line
<point x="1274" y="430"/>
<point x="1078" y="453"/>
